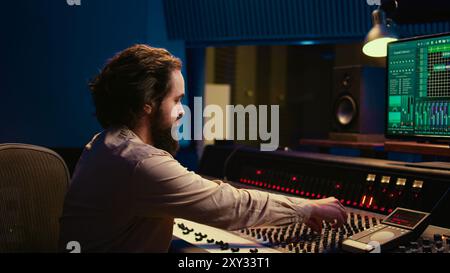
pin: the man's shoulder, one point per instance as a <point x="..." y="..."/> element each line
<point x="142" y="151"/>
<point x="125" y="145"/>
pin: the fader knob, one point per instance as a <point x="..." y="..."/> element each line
<point x="402" y="249"/>
<point x="426" y="249"/>
<point x="414" y="247"/>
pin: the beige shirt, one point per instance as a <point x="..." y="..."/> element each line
<point x="124" y="196"/>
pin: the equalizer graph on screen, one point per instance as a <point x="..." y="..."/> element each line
<point x="419" y="87"/>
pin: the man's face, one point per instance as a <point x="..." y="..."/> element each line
<point x="171" y="107"/>
<point x="168" y="114"/>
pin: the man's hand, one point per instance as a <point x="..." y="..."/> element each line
<point x="328" y="210"/>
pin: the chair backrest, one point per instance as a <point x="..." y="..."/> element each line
<point x="33" y="184"/>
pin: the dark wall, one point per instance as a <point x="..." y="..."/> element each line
<point x="309" y="91"/>
<point x="49" y="51"/>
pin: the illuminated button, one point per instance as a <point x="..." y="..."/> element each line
<point x="401" y="182"/>
<point x="417" y="184"/>
<point x="371" y="177"/>
<point x="385" y="179"/>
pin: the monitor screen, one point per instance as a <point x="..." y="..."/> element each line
<point x="405" y="218"/>
<point x="418" y="87"/>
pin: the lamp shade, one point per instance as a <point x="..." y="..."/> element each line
<point x="375" y="43"/>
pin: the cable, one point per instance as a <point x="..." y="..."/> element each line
<point x="440" y="200"/>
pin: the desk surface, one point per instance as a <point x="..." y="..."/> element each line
<point x="386" y="146"/>
<point x="340" y="143"/>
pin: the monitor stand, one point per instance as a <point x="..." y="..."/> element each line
<point x="444" y="143"/>
<point x="424" y="148"/>
<point x="445" y="166"/>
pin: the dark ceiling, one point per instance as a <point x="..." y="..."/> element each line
<point x="417" y="11"/>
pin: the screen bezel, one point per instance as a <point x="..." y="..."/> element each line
<point x="401" y="226"/>
<point x="416" y="137"/>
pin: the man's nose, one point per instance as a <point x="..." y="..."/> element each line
<point x="181" y="112"/>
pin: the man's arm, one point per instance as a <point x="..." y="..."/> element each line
<point x="164" y="188"/>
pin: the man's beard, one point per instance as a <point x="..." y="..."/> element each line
<point x="162" y="135"/>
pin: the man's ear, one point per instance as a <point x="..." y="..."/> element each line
<point x="148" y="108"/>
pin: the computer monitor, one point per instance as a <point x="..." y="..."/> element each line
<point x="418" y="88"/>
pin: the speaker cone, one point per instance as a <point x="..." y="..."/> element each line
<point x="345" y="111"/>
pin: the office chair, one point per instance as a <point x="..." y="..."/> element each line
<point x="33" y="183"/>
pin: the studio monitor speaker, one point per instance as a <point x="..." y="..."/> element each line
<point x="358" y="100"/>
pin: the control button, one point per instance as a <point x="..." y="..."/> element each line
<point x="385" y="179"/>
<point x="417" y="184"/>
<point x="371" y="177"/>
<point x="401" y="182"/>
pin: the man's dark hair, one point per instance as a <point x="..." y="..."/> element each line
<point x="138" y="75"/>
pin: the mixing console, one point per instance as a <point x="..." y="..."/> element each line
<point x="298" y="238"/>
<point x="370" y="189"/>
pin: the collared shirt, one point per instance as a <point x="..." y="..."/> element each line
<point x="125" y="194"/>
